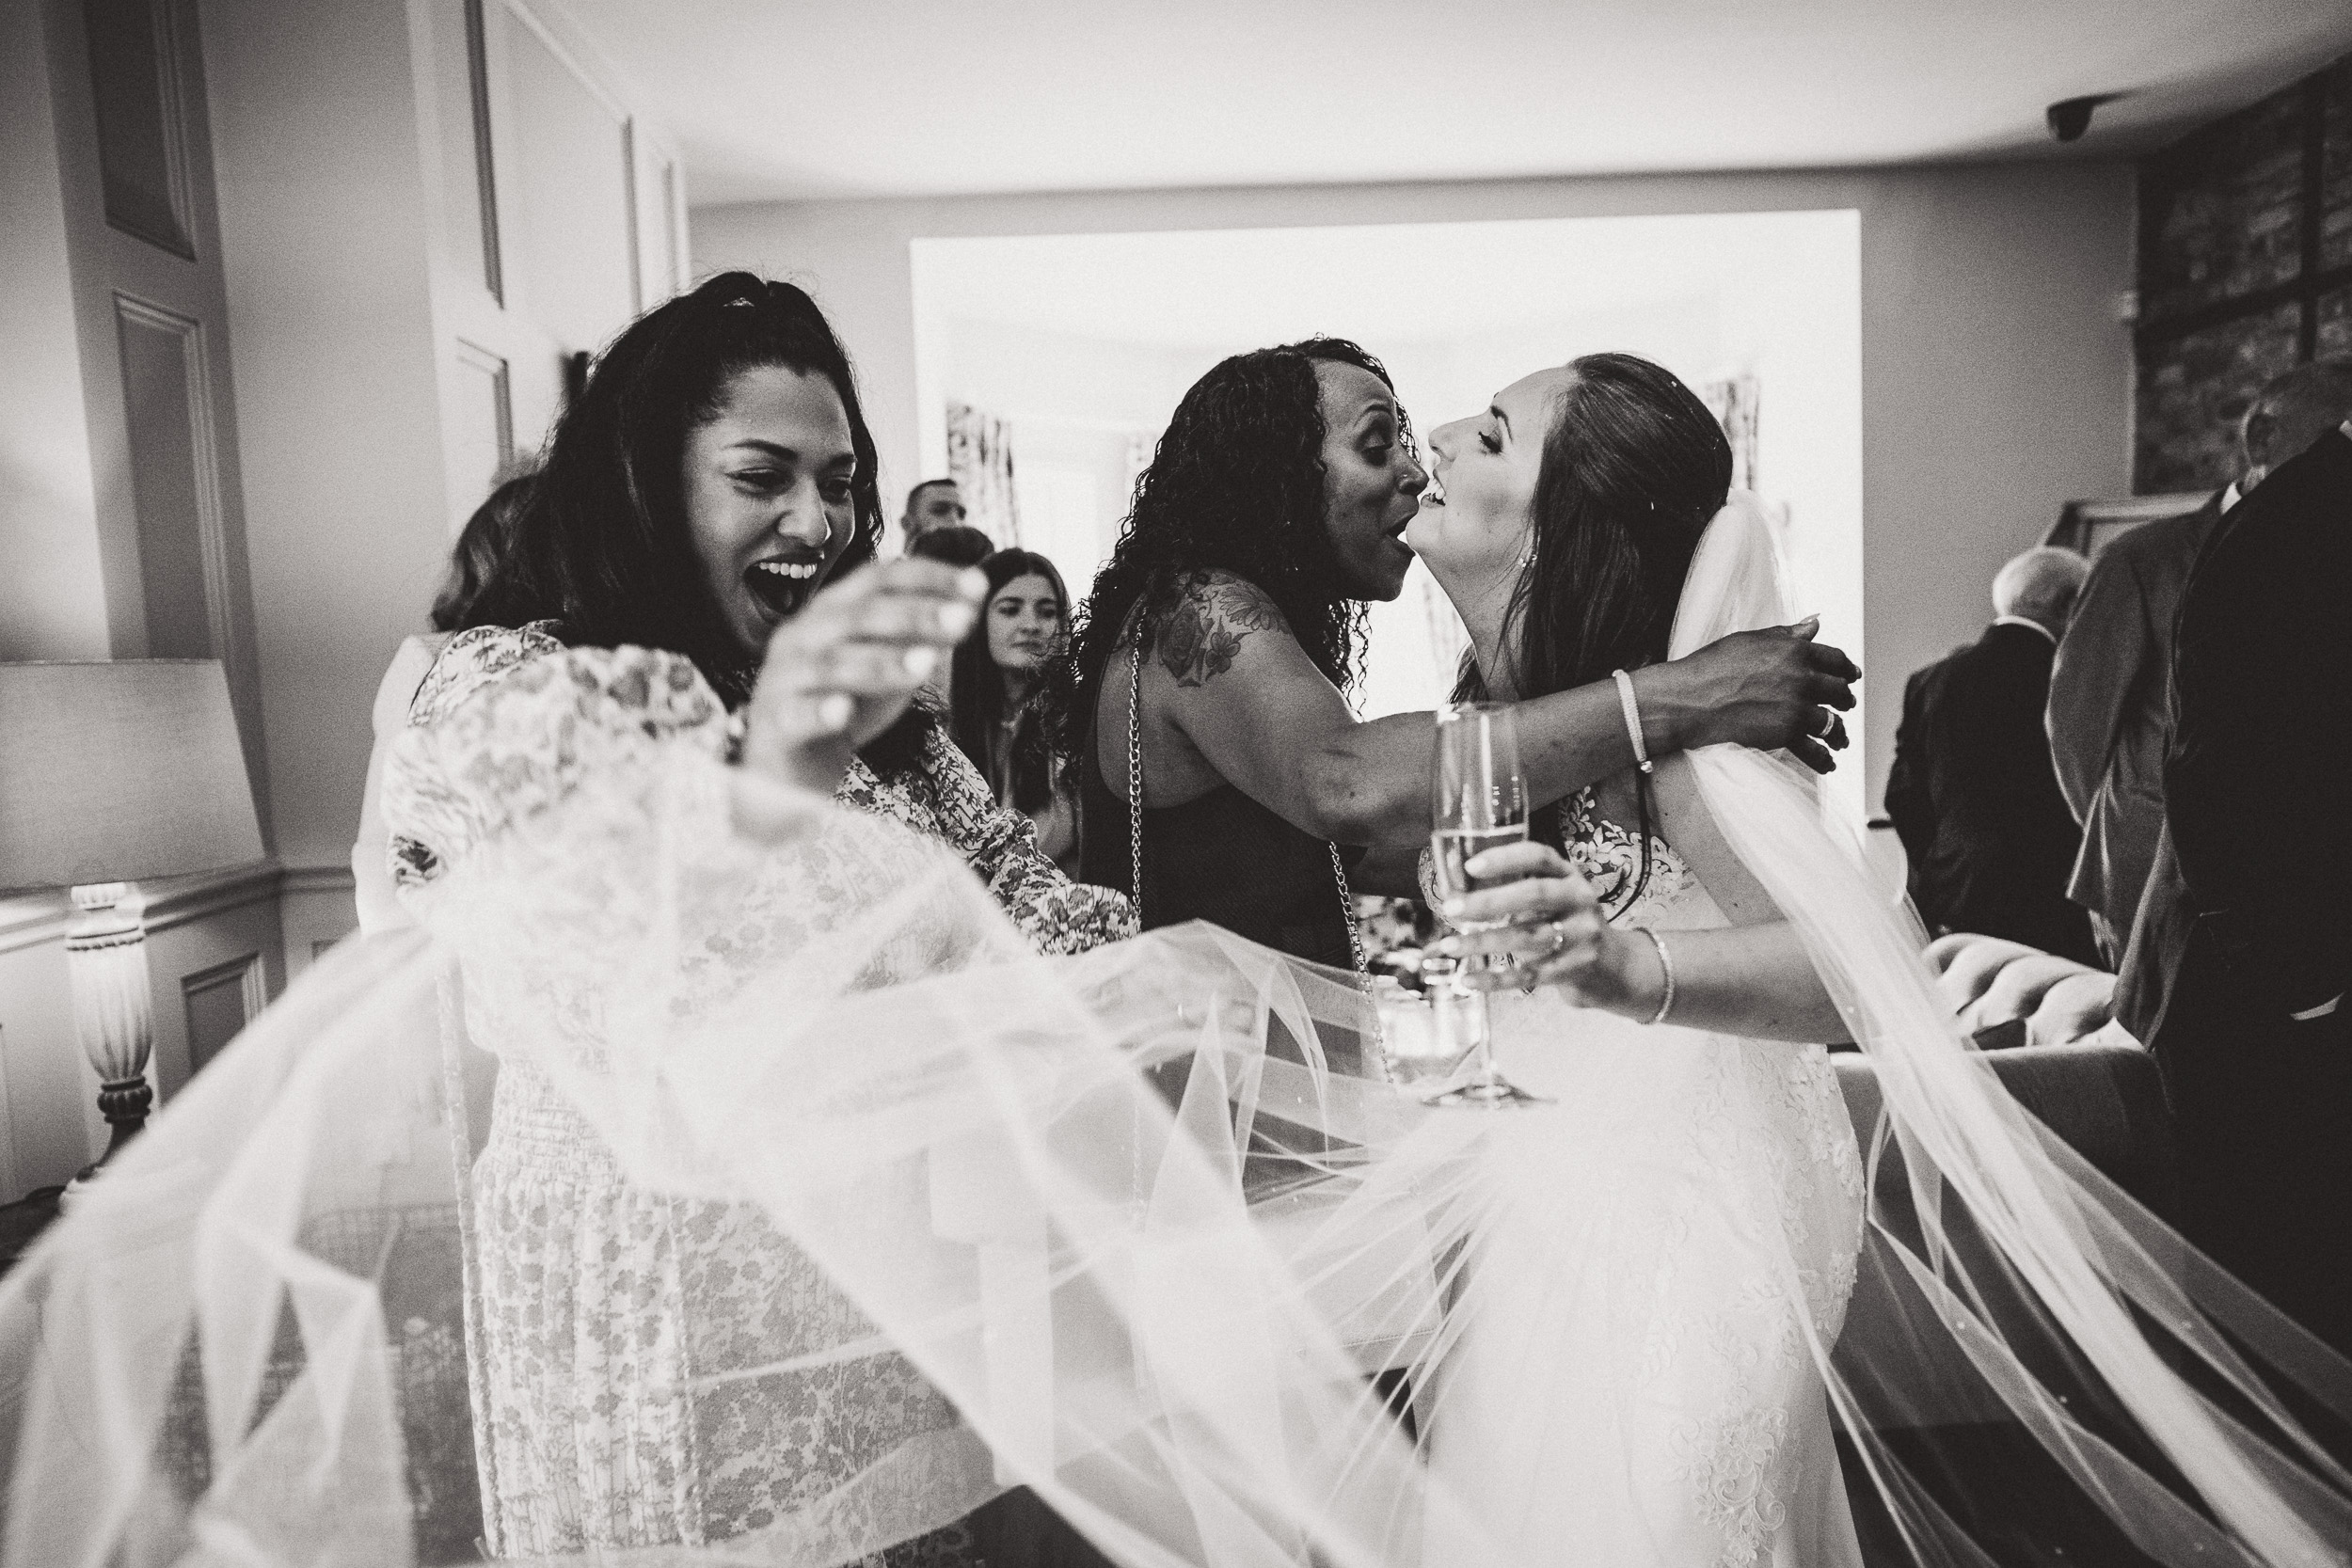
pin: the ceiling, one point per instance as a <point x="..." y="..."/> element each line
<point x="774" y="100"/>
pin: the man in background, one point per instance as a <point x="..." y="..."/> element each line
<point x="933" y="503"/>
<point x="2238" y="963"/>
<point x="2111" y="709"/>
<point x="1972" y="792"/>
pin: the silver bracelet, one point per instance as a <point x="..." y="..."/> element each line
<point x="1666" y="962"/>
<point x="1632" y="718"/>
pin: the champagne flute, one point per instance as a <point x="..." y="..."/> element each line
<point x="1477" y="801"/>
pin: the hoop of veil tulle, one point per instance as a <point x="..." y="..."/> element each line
<point x="248" y="1341"/>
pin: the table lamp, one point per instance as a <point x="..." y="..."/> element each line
<point x="110" y="774"/>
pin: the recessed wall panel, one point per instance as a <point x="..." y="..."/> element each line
<point x="675" y="282"/>
<point x="219" y="1003"/>
<point x="482" y="441"/>
<point x="576" y="246"/>
<point x="134" y="83"/>
<point x="162" y="382"/>
<point x="462" y="102"/>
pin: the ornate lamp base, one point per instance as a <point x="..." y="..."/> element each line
<point x="123" y="1104"/>
<point x="106" y="957"/>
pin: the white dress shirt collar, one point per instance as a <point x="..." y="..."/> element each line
<point x="2022" y="621"/>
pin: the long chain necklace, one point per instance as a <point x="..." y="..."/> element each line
<point x="1135" y="820"/>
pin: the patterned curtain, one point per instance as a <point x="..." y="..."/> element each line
<point x="1142" y="445"/>
<point x="980" y="460"/>
<point x="1733" y="401"/>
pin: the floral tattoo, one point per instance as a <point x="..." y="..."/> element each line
<point x="1200" y="638"/>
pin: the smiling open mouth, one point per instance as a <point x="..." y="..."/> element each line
<point x="781" y="586"/>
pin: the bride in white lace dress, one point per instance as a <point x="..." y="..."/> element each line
<point x="1660" y="1251"/>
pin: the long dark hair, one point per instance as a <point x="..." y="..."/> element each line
<point x="601" y="544"/>
<point x="1634" y="468"/>
<point x="976" y="700"/>
<point x="1236" y="484"/>
<point x="479" y="547"/>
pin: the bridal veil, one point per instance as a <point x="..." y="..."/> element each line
<point x="1150" y="1218"/>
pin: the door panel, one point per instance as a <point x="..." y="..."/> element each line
<point x="142" y="150"/>
<point x="163" y="399"/>
<point x="575" y="238"/>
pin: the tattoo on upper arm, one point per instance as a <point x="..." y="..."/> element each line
<point x="1200" y="638"/>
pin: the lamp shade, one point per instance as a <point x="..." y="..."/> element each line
<point x="119" y="772"/>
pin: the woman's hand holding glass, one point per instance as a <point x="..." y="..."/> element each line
<point x="842" y="671"/>
<point x="1553" y="933"/>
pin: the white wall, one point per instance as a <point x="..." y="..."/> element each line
<point x="52" y="596"/>
<point x="1994" y="381"/>
<point x="363" y="325"/>
<point x="354" y="442"/>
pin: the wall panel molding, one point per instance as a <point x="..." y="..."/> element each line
<point x="176" y="490"/>
<point x="219" y="1001"/>
<point x="574" y="201"/>
<point x="29" y="920"/>
<point x="488" y="418"/>
<point x="138" y="82"/>
<point x="485" y="168"/>
<point x="301" y="880"/>
<point x="165" y="905"/>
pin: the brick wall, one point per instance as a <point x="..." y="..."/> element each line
<point x="2245" y="269"/>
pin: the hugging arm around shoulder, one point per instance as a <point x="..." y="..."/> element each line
<point x="1241" y="689"/>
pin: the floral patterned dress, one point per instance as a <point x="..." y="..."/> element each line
<point x="615" y="1326"/>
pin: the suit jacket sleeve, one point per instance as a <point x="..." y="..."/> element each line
<point x="1907" y="802"/>
<point x="2255" y="782"/>
<point x="2092" y="675"/>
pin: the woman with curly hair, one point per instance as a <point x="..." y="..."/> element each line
<point x="1210" y="667"/>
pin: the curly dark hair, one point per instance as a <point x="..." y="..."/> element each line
<point x="601" y="544"/>
<point x="1236" y="484"/>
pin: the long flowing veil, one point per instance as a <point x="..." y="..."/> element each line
<point x="2020" y="1323"/>
<point x="1147" y="1230"/>
<point x="258" y="1337"/>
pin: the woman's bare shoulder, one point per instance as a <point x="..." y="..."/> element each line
<point x="1199" y="637"/>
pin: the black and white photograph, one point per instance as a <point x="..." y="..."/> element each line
<point x="1497" y="784"/>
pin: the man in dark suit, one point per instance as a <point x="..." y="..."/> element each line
<point x="2110" y="712"/>
<point x="2243" y="948"/>
<point x="1972" y="791"/>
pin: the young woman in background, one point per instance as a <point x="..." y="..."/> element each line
<point x="1024" y="622"/>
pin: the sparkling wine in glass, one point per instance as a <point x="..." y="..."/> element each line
<point x="1478" y="801"/>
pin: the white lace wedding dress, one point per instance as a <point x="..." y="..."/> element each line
<point x="1633" y="1383"/>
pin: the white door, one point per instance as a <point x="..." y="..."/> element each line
<point x="135" y="148"/>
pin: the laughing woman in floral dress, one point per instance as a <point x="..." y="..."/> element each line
<point x="713" y="477"/>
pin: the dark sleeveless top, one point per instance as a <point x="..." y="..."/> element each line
<point x="1221" y="857"/>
